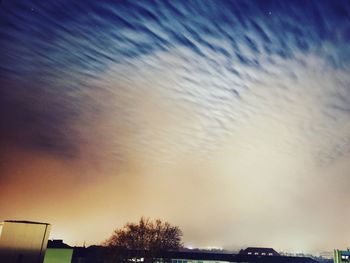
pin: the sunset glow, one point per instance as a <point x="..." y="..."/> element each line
<point x="229" y="119"/>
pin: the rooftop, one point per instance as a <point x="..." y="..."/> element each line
<point x="25" y="222"/>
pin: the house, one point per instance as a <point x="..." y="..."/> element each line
<point x="259" y="251"/>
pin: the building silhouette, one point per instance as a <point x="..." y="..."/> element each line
<point x="259" y="251"/>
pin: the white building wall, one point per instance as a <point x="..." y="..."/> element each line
<point x="23" y="242"/>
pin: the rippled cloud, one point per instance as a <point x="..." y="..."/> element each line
<point x="156" y="84"/>
<point x="228" y="64"/>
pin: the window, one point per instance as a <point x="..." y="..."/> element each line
<point x="345" y="257"/>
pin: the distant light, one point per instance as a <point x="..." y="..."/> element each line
<point x="212" y="248"/>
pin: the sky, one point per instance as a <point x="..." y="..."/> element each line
<point x="229" y="119"/>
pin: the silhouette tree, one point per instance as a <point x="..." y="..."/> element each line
<point x="146" y="238"/>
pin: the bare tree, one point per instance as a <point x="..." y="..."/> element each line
<point x="149" y="236"/>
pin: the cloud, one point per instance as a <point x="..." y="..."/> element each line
<point x="226" y="71"/>
<point x="234" y="112"/>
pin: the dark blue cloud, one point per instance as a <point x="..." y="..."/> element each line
<point x="88" y="36"/>
<point x="58" y="47"/>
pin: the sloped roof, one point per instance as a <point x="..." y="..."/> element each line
<point x="25" y="222"/>
<point x="259" y="250"/>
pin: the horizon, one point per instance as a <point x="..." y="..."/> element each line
<point x="224" y="250"/>
<point x="229" y="119"/>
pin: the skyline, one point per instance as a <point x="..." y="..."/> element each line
<point x="229" y="119"/>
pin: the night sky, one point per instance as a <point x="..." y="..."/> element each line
<point x="230" y="119"/>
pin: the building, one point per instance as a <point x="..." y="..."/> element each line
<point x="58" y="252"/>
<point x="259" y="251"/>
<point x="23" y="241"/>
<point x="340" y="256"/>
